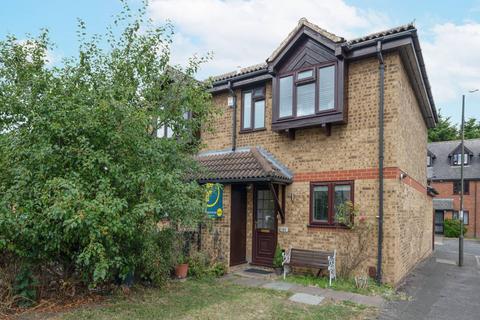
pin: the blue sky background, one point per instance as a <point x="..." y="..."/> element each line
<point x="241" y="33"/>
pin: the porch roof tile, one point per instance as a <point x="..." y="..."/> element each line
<point x="243" y="165"/>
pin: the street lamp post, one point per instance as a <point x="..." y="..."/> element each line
<point x="462" y="160"/>
<point x="460" y="239"/>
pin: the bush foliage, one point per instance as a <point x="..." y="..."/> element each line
<point x="84" y="180"/>
<point x="451" y="228"/>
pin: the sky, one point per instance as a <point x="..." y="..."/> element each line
<point x="240" y="33"/>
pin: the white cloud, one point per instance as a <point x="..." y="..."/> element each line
<point x="50" y="57"/>
<point x="242" y="33"/>
<point x="452" y="60"/>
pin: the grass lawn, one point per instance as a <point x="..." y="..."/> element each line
<point x="373" y="289"/>
<point x="213" y="299"/>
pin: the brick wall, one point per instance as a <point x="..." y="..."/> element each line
<point x="351" y="153"/>
<point x="471" y="203"/>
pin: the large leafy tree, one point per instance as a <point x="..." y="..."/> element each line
<point x="472" y="129"/>
<point x="444" y="130"/>
<point x="83" y="178"/>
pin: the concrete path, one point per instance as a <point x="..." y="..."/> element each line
<point x="329" y="294"/>
<point x="439" y="289"/>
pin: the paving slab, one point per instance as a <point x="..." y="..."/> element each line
<point x="276" y="285"/>
<point x="306" y="298"/>
<point x="446" y="261"/>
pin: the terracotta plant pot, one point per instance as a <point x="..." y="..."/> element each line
<point x="181" y="270"/>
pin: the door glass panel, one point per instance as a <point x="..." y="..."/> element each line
<point x="265" y="210"/>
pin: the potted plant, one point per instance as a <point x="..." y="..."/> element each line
<point x="181" y="268"/>
<point x="278" y="261"/>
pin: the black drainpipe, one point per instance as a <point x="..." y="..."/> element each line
<point x="380" y="160"/>
<point x="234" y="116"/>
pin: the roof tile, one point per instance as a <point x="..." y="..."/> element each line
<point x="243" y="165"/>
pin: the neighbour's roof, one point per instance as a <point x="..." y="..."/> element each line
<point x="441" y="168"/>
<point x="243" y="165"/>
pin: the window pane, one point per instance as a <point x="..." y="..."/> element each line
<point x="457" y="159"/>
<point x="341" y="195"/>
<point x="161" y="132"/>
<point x="320" y="203"/>
<point x="305" y="74"/>
<point x="306" y="99"/>
<point x="286" y="97"/>
<point x="169" y="132"/>
<point x="327" y="88"/>
<point x="247" y="110"/>
<point x="258" y="93"/>
<point x="465" y="217"/>
<point x="259" y="119"/>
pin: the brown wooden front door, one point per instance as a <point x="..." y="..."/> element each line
<point x="238" y="226"/>
<point x="264" y="227"/>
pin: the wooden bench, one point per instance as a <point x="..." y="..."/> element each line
<point x="311" y="259"/>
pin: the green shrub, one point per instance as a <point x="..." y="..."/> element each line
<point x="25" y="287"/>
<point x="84" y="180"/>
<point x="217" y="269"/>
<point x="198" y="265"/>
<point x="157" y="258"/>
<point x="277" y="258"/>
<point x="451" y="228"/>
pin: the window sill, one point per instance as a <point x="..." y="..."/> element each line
<point x="328" y="227"/>
<point x="242" y="131"/>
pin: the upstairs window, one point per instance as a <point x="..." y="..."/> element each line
<point x="306" y="92"/>
<point x="253" y="109"/>
<point x="164" y="131"/>
<point x="457" y="187"/>
<point x="457" y="159"/>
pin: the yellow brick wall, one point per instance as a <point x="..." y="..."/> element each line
<point x="351" y="146"/>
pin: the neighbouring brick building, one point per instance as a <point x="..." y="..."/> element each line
<point x="300" y="134"/>
<point x="443" y="166"/>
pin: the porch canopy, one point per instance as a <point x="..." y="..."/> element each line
<point x="244" y="165"/>
<point x="443" y="204"/>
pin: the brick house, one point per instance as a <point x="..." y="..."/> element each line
<point x="443" y="166"/>
<point x="302" y="133"/>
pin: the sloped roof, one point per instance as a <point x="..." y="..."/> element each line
<point x="380" y="34"/>
<point x="242" y="165"/>
<point x="246" y="70"/>
<point x="441" y="168"/>
<point x="303" y="22"/>
<point x="458" y="149"/>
